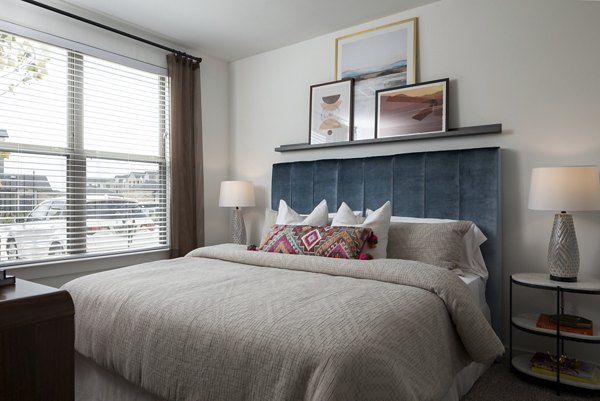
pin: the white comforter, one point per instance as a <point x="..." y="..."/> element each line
<point x="229" y="324"/>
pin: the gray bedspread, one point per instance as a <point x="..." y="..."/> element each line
<point x="228" y="324"/>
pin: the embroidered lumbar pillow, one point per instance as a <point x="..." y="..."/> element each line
<point x="332" y="242"/>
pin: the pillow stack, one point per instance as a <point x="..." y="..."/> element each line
<point x="450" y="244"/>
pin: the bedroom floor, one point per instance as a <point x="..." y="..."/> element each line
<point x="498" y="384"/>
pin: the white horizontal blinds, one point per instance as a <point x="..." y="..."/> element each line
<point x="83" y="167"/>
<point x="33" y="96"/>
<point x="121" y="108"/>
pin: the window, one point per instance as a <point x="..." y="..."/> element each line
<point x="83" y="155"/>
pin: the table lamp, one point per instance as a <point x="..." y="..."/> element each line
<point x="574" y="188"/>
<point x="237" y="194"/>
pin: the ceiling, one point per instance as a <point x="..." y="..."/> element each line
<point x="234" y="29"/>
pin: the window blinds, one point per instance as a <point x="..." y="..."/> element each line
<point x="83" y="155"/>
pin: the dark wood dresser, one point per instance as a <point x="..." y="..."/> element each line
<point x="36" y="343"/>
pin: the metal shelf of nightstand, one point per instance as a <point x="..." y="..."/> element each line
<point x="521" y="363"/>
<point x="527" y="322"/>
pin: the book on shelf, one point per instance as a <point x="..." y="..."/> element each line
<point x="571" y="320"/>
<point x="544" y="322"/>
<point x="570" y="369"/>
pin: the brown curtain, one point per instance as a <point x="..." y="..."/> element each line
<point x="187" y="181"/>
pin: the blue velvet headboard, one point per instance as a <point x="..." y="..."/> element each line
<point x="456" y="184"/>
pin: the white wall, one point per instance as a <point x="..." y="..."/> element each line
<point x="531" y="65"/>
<point x="17" y="15"/>
<point x="215" y="137"/>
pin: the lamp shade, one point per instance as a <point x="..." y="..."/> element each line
<point x="575" y="188"/>
<point x="236" y="194"/>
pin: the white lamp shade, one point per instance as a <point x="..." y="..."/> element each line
<point x="236" y="194"/>
<point x="574" y="188"/>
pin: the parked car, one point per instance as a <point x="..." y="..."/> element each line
<point x="109" y="223"/>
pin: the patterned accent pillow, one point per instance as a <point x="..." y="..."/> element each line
<point x="332" y="242"/>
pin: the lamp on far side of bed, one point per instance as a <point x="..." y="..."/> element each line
<point x="237" y="194"/>
<point x="575" y="188"/>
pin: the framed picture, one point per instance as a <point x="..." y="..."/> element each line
<point x="331" y="112"/>
<point x="378" y="58"/>
<point x="412" y="109"/>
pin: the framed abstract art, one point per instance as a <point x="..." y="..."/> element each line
<point x="412" y="109"/>
<point x="377" y="58"/>
<point x="331" y="112"/>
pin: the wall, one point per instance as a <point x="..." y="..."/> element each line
<point x="17" y="15"/>
<point x="530" y="65"/>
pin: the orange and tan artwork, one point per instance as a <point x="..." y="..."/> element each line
<point x="412" y="109"/>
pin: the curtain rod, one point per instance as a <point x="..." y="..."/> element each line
<point x="111" y="29"/>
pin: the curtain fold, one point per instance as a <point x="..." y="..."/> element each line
<point x="187" y="183"/>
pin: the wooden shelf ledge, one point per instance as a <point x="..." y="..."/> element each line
<point x="474" y="130"/>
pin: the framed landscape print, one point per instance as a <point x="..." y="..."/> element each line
<point x="378" y="58"/>
<point x="331" y="107"/>
<point x="413" y="109"/>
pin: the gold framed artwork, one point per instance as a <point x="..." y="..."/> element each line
<point x="377" y="58"/>
<point x="412" y="109"/>
<point x="331" y="106"/>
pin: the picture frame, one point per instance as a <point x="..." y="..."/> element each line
<point x="412" y="109"/>
<point x="331" y="115"/>
<point x="377" y="58"/>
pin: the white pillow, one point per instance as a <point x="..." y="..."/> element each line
<point x="288" y="216"/>
<point x="471" y="259"/>
<point x="378" y="221"/>
<point x="357" y="213"/>
<point x="271" y="218"/>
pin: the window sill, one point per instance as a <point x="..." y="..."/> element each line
<point x="78" y="267"/>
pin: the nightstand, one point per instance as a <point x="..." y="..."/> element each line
<point x="36" y="343"/>
<point x="527" y="322"/>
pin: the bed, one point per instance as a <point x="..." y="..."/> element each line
<point x="225" y="323"/>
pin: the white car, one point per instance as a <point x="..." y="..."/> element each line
<point x="109" y="224"/>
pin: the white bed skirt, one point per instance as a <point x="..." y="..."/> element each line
<point x="464" y="380"/>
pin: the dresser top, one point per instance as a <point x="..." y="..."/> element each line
<point x="24" y="289"/>
<point x="26" y="303"/>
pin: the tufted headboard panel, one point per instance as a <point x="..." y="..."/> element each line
<point x="456" y="184"/>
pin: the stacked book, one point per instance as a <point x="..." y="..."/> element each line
<point x="570" y="369"/>
<point x="568" y="323"/>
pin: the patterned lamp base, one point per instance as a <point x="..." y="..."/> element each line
<point x="563" y="252"/>
<point x="238" y="229"/>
